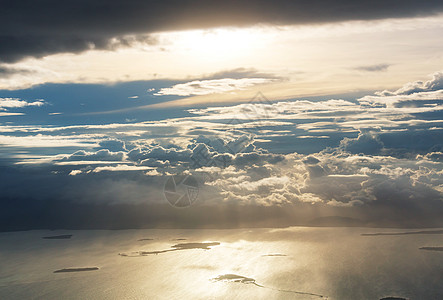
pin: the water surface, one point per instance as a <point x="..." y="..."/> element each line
<point x="337" y="263"/>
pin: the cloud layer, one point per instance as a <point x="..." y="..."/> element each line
<point x="214" y="86"/>
<point x="377" y="159"/>
<point x="51" y="26"/>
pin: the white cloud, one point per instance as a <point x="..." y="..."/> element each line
<point x="81" y="162"/>
<point x="44" y="141"/>
<point x="393" y="100"/>
<point x="8" y="103"/>
<point x="122" y="168"/>
<point x="435" y="84"/>
<point x="214" y="86"/>
<point x="313" y="137"/>
<point x="7" y="114"/>
<point x="75" y="172"/>
<point x="430" y="91"/>
<point x="101" y="155"/>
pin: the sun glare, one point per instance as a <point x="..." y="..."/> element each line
<point x="222" y="43"/>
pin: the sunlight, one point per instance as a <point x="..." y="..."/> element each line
<point x="221" y="43"/>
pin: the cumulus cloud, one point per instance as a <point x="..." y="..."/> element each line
<point x="381" y="164"/>
<point x="112" y="145"/>
<point x="334" y="178"/>
<point x="160" y="153"/>
<point x="413" y="94"/>
<point x="365" y="143"/>
<point x="434" y="156"/>
<point x="419" y="99"/>
<point x="8" y="103"/>
<point x="435" y="84"/>
<point x="339" y="179"/>
<point x="103" y="154"/>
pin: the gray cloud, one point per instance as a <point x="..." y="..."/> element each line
<point x="373" y="68"/>
<point x="239" y="73"/>
<point x="280" y="189"/>
<point x="366" y="143"/>
<point x="6" y="71"/>
<point x="50" y="26"/>
<point x="113" y="145"/>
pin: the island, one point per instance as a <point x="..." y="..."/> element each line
<point x="69" y="270"/>
<point x="58" y="237"/>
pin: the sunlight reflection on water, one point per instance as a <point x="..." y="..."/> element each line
<point x="336" y="262"/>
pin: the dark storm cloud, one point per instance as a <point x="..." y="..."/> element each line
<point x="31" y="28"/>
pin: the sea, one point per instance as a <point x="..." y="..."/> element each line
<point x="258" y="263"/>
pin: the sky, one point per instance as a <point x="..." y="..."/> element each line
<point x="220" y="114"/>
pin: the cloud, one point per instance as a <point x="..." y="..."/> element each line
<point x="239" y="73"/>
<point x="373" y="68"/>
<point x="44" y="141"/>
<point x="419" y="99"/>
<point x="433" y="156"/>
<point x="409" y="189"/>
<point x="412" y="94"/>
<point x="113" y="145"/>
<point x="8" y="103"/>
<point x="119" y="168"/>
<point x="157" y="152"/>
<point x="7" y="114"/>
<point x="214" y="86"/>
<point x="55" y="27"/>
<point x="75" y="172"/>
<point x="380" y="163"/>
<point x="313" y="137"/>
<point x="103" y="154"/>
<point x="6" y="71"/>
<point x="365" y="143"/>
<point x="435" y="84"/>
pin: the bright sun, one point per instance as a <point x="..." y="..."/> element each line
<point x="222" y="43"/>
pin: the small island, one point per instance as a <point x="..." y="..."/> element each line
<point x="58" y="237"/>
<point x="69" y="270"/>
<point x="404" y="233"/>
<point x="432" y="248"/>
<point x="178" y="247"/>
